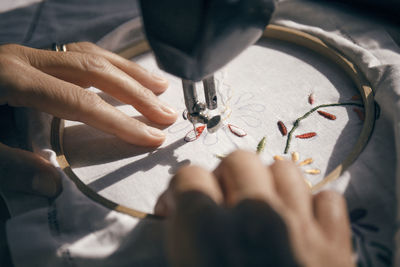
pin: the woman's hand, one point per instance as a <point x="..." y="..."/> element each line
<point x="54" y="82"/>
<point x="246" y="214"/>
<point x="23" y="171"/>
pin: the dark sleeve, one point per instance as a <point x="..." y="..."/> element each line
<point x="385" y="10"/>
<point x="63" y="21"/>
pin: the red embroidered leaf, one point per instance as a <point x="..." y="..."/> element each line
<point x="236" y="130"/>
<point x="306" y="135"/>
<point x="200" y="130"/>
<point x="327" y="115"/>
<point x="311" y="98"/>
<point x="192" y="136"/>
<point x="282" y="128"/>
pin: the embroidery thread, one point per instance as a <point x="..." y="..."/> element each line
<point x="311" y="99"/>
<point x="295" y="156"/>
<point x="327" y="115"/>
<point x="220" y="156"/>
<point x="261" y="145"/>
<point x="236" y="130"/>
<point x="282" y="128"/>
<point x="297" y="121"/>
<point x="192" y="135"/>
<point x="306" y="135"/>
<point x="308" y="183"/>
<point x="306" y="162"/>
<point x="313" y="171"/>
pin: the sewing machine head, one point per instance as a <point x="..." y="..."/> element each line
<point x="193" y="39"/>
<point x="199" y="112"/>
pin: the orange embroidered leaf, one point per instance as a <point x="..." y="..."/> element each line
<point x="306" y="135"/>
<point x="327" y="115"/>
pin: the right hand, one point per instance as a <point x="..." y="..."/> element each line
<point x="246" y="214"/>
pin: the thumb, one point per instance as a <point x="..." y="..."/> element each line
<point x="23" y="171"/>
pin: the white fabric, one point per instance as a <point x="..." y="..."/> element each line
<point x="270" y="81"/>
<point x="73" y="230"/>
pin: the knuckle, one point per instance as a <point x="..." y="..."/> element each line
<point x="238" y="156"/>
<point x="283" y="164"/>
<point x="189" y="178"/>
<point x="94" y="64"/>
<point x="86" y="101"/>
<point x="9" y="83"/>
<point x="186" y="172"/>
<point x="16" y="52"/>
<point x="330" y="197"/>
<point x="145" y="97"/>
<point x="81" y="46"/>
<point x="8" y="61"/>
<point x="87" y="45"/>
<point x="9" y="48"/>
<point x="299" y="225"/>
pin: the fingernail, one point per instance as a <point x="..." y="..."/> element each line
<point x="155" y="132"/>
<point x="158" y="77"/>
<point x="167" y="109"/>
<point x="45" y="184"/>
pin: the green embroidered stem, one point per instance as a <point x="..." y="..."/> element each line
<point x="297" y="122"/>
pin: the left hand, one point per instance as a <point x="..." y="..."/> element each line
<point x="54" y="82"/>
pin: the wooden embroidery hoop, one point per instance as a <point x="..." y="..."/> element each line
<point x="273" y="32"/>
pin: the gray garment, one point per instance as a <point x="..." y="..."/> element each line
<point x="42" y="23"/>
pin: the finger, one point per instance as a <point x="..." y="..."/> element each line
<point x="188" y="179"/>
<point x="259" y="228"/>
<point x="155" y="83"/>
<point x="243" y="176"/>
<point x="330" y="212"/>
<point x="23" y="171"/>
<point x="91" y="70"/>
<point x="195" y="220"/>
<point x="196" y="232"/>
<point x="291" y="187"/>
<point x="65" y="100"/>
<point x="163" y="204"/>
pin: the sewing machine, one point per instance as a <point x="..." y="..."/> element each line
<point x="193" y="39"/>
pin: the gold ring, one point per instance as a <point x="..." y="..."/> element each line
<point x="59" y="47"/>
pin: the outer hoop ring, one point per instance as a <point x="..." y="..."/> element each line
<point x="273" y="32"/>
